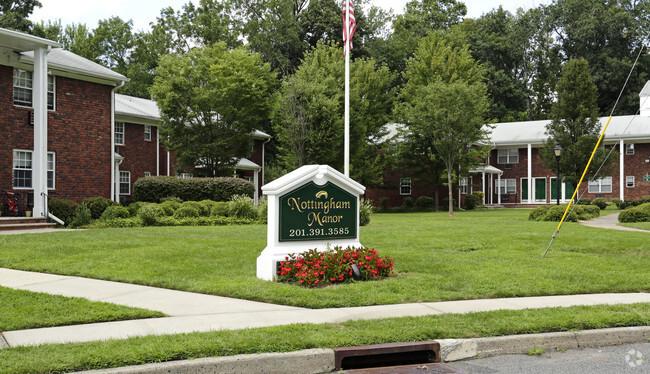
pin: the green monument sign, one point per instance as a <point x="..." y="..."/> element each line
<point x="317" y="212"/>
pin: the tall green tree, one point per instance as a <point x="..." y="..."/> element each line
<point x="608" y="34"/>
<point x="14" y="14"/>
<point x="114" y="40"/>
<point x="308" y="115"/>
<point x="211" y="100"/>
<point x="444" y="103"/>
<point x="575" y="125"/>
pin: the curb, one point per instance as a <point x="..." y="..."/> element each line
<point x="314" y="361"/>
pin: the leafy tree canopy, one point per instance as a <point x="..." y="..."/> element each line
<point x="14" y="14"/>
<point x="211" y="99"/>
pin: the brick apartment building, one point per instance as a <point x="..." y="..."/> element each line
<point x="65" y="132"/>
<point x="514" y="164"/>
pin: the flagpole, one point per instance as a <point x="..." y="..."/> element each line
<point x="346" y="147"/>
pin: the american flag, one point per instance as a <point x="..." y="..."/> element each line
<point x="350" y="28"/>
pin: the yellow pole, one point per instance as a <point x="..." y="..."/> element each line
<point x="566" y="211"/>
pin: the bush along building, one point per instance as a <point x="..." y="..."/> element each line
<point x="513" y="174"/>
<point x="66" y="133"/>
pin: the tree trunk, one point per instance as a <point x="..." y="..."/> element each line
<point x="451" y="200"/>
<point x="436" y="195"/>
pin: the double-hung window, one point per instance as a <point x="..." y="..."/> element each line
<point x="125" y="182"/>
<point x="507" y="186"/>
<point x="119" y="133"/>
<point x="23" y="89"/>
<point x="463" y="185"/>
<point x="629" y="149"/>
<point x="405" y="186"/>
<point x="629" y="181"/>
<point x="147" y="133"/>
<point x="508" y="156"/>
<point x="602" y="185"/>
<point x="23" y="172"/>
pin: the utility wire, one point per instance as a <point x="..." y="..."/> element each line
<point x="593" y="153"/>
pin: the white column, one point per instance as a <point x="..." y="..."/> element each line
<point x="621" y="163"/>
<point x="530" y="173"/>
<point x="39" y="157"/>
<point x="116" y="178"/>
<point x="168" y="164"/>
<point x="499" y="188"/>
<point x="490" y="189"/>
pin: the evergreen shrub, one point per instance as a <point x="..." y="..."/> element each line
<point x="425" y="202"/>
<point x="97" y="205"/>
<point x="187" y="211"/>
<point x="150" y="214"/>
<point x="115" y="211"/>
<point x="640" y="213"/>
<point x="155" y="189"/>
<point x="64" y="209"/>
<point x="242" y="207"/>
<point x="600" y="202"/>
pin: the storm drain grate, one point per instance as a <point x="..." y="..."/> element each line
<point x="436" y="368"/>
<point x="381" y="355"/>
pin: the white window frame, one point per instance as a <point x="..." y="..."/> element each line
<point x="249" y="178"/>
<point x="119" y="135"/>
<point x="147" y="174"/>
<point x="508" y="156"/>
<point x="185" y="175"/>
<point x="125" y="179"/>
<point x="147" y="133"/>
<point x="405" y="183"/>
<point x="599" y="185"/>
<point x="24" y="80"/>
<point x="629" y="149"/>
<point x="464" y="182"/>
<point x="28" y="166"/>
<point x="629" y="181"/>
<point x="507" y="186"/>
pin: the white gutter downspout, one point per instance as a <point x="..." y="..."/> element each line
<point x="39" y="159"/>
<point x="157" y="151"/>
<point x="114" y="196"/>
<point x="530" y="174"/>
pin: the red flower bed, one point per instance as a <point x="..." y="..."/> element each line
<point x="313" y="268"/>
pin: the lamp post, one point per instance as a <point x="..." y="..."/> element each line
<point x="558" y="152"/>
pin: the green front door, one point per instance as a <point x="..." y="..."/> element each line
<point x="540" y="189"/>
<point x="568" y="190"/>
<point x="524" y="190"/>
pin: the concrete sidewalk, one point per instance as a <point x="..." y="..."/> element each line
<point x="192" y="312"/>
<point x="609" y="221"/>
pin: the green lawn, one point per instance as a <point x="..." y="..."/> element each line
<point x="477" y="254"/>
<point x="58" y="358"/>
<point x="637" y="225"/>
<point x="28" y="310"/>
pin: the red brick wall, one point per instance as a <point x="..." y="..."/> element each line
<point x="139" y="154"/>
<point x="256" y="157"/>
<point x="78" y="132"/>
<point x="637" y="165"/>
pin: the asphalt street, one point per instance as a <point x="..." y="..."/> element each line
<point x="633" y="359"/>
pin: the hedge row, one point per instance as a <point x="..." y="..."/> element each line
<point x="155" y="189"/>
<point x="171" y="221"/>
<point x="630" y="203"/>
<point x="640" y="213"/>
<point x="555" y="213"/>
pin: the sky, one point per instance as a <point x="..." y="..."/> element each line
<point x="142" y="12"/>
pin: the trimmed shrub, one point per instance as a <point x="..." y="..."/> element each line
<point x="263" y="208"/>
<point x="115" y="211"/>
<point x="556" y="212"/>
<point x="383" y="204"/>
<point x="221" y="208"/>
<point x="364" y="212"/>
<point x="425" y="202"/>
<point x="134" y="207"/>
<point x="200" y="208"/>
<point x="187" y="211"/>
<point x="639" y="213"/>
<point x="474" y="200"/>
<point x="600" y="202"/>
<point x="584" y="201"/>
<point x="171" y="198"/>
<point x="97" y="205"/>
<point x="207" y="207"/>
<point x="242" y="207"/>
<point x="589" y="212"/>
<point x="170" y="207"/>
<point x="407" y="203"/>
<point x="154" y="189"/>
<point x="64" y="209"/>
<point x="539" y="213"/>
<point x="83" y="216"/>
<point x="150" y="214"/>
